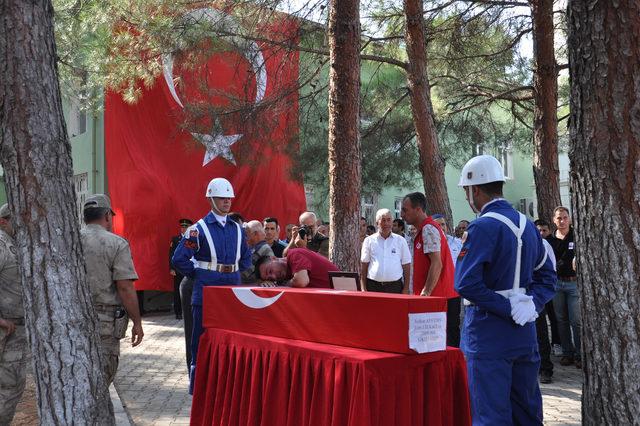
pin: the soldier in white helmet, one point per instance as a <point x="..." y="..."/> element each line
<point x="13" y="339"/>
<point x="506" y="277"/>
<point x="219" y="251"/>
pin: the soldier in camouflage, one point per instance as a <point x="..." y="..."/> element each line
<point x="110" y="274"/>
<point x="256" y="239"/>
<point x="13" y="340"/>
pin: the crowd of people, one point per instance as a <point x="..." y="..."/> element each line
<point x="512" y="276"/>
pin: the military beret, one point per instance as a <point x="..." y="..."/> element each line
<point x="98" y="200"/>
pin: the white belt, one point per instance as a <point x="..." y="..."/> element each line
<point x="213" y="266"/>
<point x="503" y="293"/>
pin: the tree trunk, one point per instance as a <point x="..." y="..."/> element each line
<point x="546" y="172"/>
<point x="35" y="155"/>
<point x="604" y="59"/>
<point x="431" y="162"/>
<point x="344" y="133"/>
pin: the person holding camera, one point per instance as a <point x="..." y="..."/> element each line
<point x="307" y="236"/>
<point x="110" y="275"/>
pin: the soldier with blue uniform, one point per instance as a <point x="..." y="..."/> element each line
<point x="506" y="278"/>
<point x="212" y="252"/>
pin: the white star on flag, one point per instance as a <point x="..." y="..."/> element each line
<point x="217" y="145"/>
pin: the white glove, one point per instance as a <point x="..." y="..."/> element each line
<point x="523" y="310"/>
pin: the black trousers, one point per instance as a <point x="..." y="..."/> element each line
<point x="387" y="287"/>
<point x="544" y="347"/>
<point x="453" y="322"/>
<point x="177" y="304"/>
<point x="551" y="313"/>
<point x="186" y="288"/>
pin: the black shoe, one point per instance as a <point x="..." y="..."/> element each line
<point x="578" y="363"/>
<point x="566" y="360"/>
<point x="546" y="377"/>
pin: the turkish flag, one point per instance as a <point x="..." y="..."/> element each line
<point x="155" y="151"/>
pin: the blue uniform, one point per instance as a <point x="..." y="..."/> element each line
<point x="502" y="357"/>
<point x="193" y="259"/>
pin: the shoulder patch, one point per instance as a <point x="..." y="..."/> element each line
<point x="193" y="233"/>
<point x="463" y="252"/>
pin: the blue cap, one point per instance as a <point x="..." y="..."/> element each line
<point x="437" y="216"/>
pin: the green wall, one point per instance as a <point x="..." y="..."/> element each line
<point x="83" y="146"/>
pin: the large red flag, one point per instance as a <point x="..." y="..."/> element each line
<point x="155" y="149"/>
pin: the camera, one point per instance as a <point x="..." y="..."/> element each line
<point x="305" y="231"/>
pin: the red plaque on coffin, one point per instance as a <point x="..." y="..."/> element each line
<point x="384" y="322"/>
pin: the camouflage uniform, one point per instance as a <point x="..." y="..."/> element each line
<point x="108" y="260"/>
<point x="13" y="348"/>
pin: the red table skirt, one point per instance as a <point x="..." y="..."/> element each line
<point x="247" y="379"/>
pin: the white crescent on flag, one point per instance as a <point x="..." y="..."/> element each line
<point x="218" y="144"/>
<point x="248" y="298"/>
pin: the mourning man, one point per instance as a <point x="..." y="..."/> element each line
<point x="301" y="268"/>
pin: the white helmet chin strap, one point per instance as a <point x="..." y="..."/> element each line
<point x="214" y="208"/>
<point x="471" y="201"/>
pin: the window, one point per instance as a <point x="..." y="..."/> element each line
<point x="397" y="207"/>
<point x="77" y="119"/>
<point x="367" y="207"/>
<point x="506" y="159"/>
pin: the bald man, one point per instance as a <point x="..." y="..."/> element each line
<point x="312" y="239"/>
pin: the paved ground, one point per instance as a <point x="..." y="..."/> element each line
<point x="152" y="378"/>
<point x="152" y="382"/>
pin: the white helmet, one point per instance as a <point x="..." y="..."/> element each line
<point x="219" y="187"/>
<point x="480" y="170"/>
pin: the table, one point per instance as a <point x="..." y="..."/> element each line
<point x="249" y="379"/>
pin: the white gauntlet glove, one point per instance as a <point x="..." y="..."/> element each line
<point x="523" y="310"/>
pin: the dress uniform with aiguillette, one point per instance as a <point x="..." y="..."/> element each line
<point x="506" y="278"/>
<point x="213" y="252"/>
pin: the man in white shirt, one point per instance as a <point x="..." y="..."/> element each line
<point x="386" y="259"/>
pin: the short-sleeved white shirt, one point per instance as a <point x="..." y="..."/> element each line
<point x="385" y="256"/>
